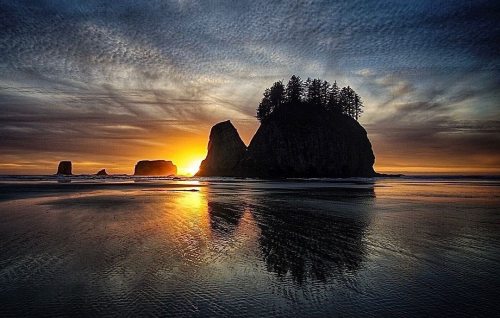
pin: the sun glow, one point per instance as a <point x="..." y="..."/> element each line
<point x="191" y="168"/>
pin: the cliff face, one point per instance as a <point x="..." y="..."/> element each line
<point x="293" y="143"/>
<point x="155" y="168"/>
<point x="312" y="143"/>
<point x="64" y="168"/>
<point x="225" y="151"/>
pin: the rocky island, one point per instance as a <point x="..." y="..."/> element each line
<point x="101" y="172"/>
<point x="155" y="168"/>
<point x="64" y="168"/>
<point x="310" y="132"/>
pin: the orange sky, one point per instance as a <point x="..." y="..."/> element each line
<point x="187" y="149"/>
<point x="82" y="83"/>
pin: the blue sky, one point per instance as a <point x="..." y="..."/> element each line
<point x="108" y="83"/>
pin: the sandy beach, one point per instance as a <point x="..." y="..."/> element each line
<point x="224" y="247"/>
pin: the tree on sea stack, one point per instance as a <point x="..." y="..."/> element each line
<point x="294" y="90"/>
<point x="273" y="98"/>
<point x="313" y="93"/>
<point x="333" y="104"/>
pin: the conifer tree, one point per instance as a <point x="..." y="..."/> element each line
<point x="333" y="104"/>
<point x="358" y="106"/>
<point x="264" y="108"/>
<point x="277" y="95"/>
<point x="325" y="93"/>
<point x="314" y="92"/>
<point x="346" y="101"/>
<point x="294" y="90"/>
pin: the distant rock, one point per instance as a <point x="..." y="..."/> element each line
<point x="64" y="168"/>
<point x="292" y="142"/>
<point x="102" y="172"/>
<point x="155" y="168"/>
<point x="225" y="151"/>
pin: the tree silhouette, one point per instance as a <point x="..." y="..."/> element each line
<point x="312" y="92"/>
<point x="294" y="90"/>
<point x="277" y="95"/>
<point x="333" y="104"/>
<point x="325" y="92"/>
<point x="346" y="101"/>
<point x="264" y="108"/>
<point x="358" y="106"/>
<point x="273" y="98"/>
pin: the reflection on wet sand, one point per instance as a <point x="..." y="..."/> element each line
<point x="293" y="239"/>
<point x="224" y="218"/>
<point x="249" y="248"/>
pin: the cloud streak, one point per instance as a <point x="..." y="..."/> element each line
<point x="125" y="80"/>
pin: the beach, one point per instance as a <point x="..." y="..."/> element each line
<point x="123" y="246"/>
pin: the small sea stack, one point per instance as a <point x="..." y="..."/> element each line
<point x="64" y="168"/>
<point x="155" y="168"/>
<point x="102" y="172"/>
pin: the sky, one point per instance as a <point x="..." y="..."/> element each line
<point x="107" y="83"/>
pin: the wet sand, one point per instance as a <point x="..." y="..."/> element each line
<point x="389" y="247"/>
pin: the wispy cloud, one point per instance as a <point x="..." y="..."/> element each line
<point x="120" y="79"/>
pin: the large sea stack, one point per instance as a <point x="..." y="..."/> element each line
<point x="292" y="142"/>
<point x="64" y="168"/>
<point x="155" y="168"/>
<point x="225" y="151"/>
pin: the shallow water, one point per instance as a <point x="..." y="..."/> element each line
<point x="226" y="247"/>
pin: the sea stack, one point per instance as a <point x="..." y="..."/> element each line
<point x="225" y="151"/>
<point x="303" y="143"/>
<point x="64" y="168"/>
<point x="102" y="172"/>
<point x="155" y="168"/>
<point x="292" y="143"/>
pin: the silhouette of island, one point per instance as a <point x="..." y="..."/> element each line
<point x="307" y="130"/>
<point x="102" y="172"/>
<point x="155" y="168"/>
<point x="64" y="168"/>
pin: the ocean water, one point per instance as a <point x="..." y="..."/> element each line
<point x="125" y="246"/>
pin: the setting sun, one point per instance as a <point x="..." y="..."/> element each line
<point x="191" y="168"/>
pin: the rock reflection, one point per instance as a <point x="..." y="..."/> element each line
<point x="224" y="218"/>
<point x="299" y="241"/>
<point x="308" y="246"/>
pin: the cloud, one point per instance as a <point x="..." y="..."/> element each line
<point x="122" y="78"/>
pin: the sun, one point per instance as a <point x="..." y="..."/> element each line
<point x="193" y="167"/>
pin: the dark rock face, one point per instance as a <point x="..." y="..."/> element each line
<point x="155" y="168"/>
<point x="102" y="172"/>
<point x="225" y="151"/>
<point x="316" y="143"/>
<point x="300" y="143"/>
<point x="64" y="168"/>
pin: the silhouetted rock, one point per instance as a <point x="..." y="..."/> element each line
<point x="155" y="168"/>
<point x="102" y="172"/>
<point x="294" y="142"/>
<point x="225" y="151"/>
<point x="64" y="168"/>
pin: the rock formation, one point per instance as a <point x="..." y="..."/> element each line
<point x="102" y="172"/>
<point x="64" y="168"/>
<point x="294" y="142"/>
<point x="155" y="168"/>
<point x="225" y="151"/>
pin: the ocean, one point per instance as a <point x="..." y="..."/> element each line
<point x="217" y="247"/>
